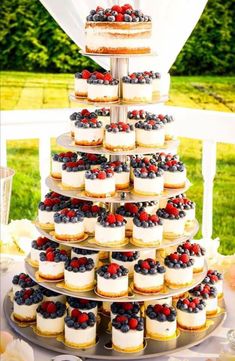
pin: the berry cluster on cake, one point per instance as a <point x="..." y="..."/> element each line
<point x="51" y="264"/>
<point x="82" y="305"/>
<point x="94" y="160"/>
<point x="196" y="252"/>
<point x="25" y="304"/>
<point x="22" y="281"/>
<point x="161" y="321"/>
<point x="78" y="116"/>
<point x="73" y="174"/>
<point x="215" y="279"/>
<point x="49" y="295"/>
<point x="80" y="252"/>
<point x="167" y="120"/>
<point x="80" y="83"/>
<point x="79" y="273"/>
<point x="148" y="180"/>
<point x="137" y="87"/>
<point x="179" y="270"/>
<point x="148" y="276"/>
<point x="47" y="208"/>
<point x="136" y="115"/>
<point x="112" y="280"/>
<point x="121" y="173"/>
<point x="147" y="229"/>
<point x="110" y="229"/>
<point x="127" y="259"/>
<point x="100" y="183"/>
<point x="39" y="245"/>
<point x="128" y="211"/>
<point x="58" y="159"/>
<point x="173" y="220"/>
<point x="88" y="131"/>
<point x="124" y="308"/>
<point x="91" y="212"/>
<point x="102" y="87"/>
<point x="209" y="295"/>
<point x="191" y="313"/>
<point x="186" y="205"/>
<point x="50" y="318"/>
<point x="174" y="173"/>
<point x="119" y="136"/>
<point x="150" y="133"/>
<point x="69" y="224"/>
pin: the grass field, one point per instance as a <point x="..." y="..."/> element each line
<point x="35" y="91"/>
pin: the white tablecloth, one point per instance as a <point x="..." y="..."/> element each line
<point x="210" y="348"/>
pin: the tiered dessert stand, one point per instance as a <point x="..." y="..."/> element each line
<point x="119" y="65"/>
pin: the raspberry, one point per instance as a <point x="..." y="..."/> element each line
<point x="192" y="305"/>
<point x="99" y="75"/>
<point x="92" y="157"/>
<point x="84" y="302"/>
<point x="85" y="207"/>
<point x="64" y="211"/>
<point x="117" y="8"/>
<point x="94" y="121"/>
<point x="127" y="306"/>
<point x="128" y="254"/>
<point x="112" y="268"/>
<point x="144" y="170"/>
<point x="154" y="218"/>
<point x="169" y="163"/>
<point x="101" y="175"/>
<point x="99" y="8"/>
<point x="214" y="278"/>
<point x="158" y="308"/>
<point x="121" y="319"/>
<point x="75" y="313"/>
<point x="196" y="301"/>
<point x="83" y="317"/>
<point x="44" y="305"/>
<point x="113" y="125"/>
<point x="184" y="258"/>
<point x="95" y="209"/>
<point x="51" y="308"/>
<point x="62" y="251"/>
<point x="135" y="112"/>
<point x="171" y="209"/>
<point x="108" y="77"/>
<point x="54" y="194"/>
<point x="125" y="7"/>
<point x="82" y="260"/>
<point x="195" y="248"/>
<point x="86" y="74"/>
<point x="49" y="249"/>
<point x="119" y="218"/>
<point x="55" y="201"/>
<point x="132" y="76"/>
<point x="50" y="256"/>
<point x="152" y="168"/>
<point x="71" y="214"/>
<point x="151" y="122"/>
<point x="75" y="263"/>
<point x="177" y="200"/>
<point x="22" y="276"/>
<point x="111" y="218"/>
<point x="186" y="301"/>
<point x="146" y="160"/>
<point x="133" y="323"/>
<point x="160" y="116"/>
<point x="85" y="112"/>
<point x="48" y="202"/>
<point x="71" y="164"/>
<point x="41" y="241"/>
<point x="166" y="311"/>
<point x="143" y="216"/>
<point x="134" y="209"/>
<point x="210" y="271"/>
<point x="185" y="200"/>
<point x="187" y="245"/>
<point x="174" y="256"/>
<point x="145" y="265"/>
<point x="125" y="127"/>
<point x="85" y="120"/>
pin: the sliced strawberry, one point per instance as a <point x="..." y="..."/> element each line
<point x="82" y="260"/>
<point x="99" y="8"/>
<point x="187" y="245"/>
<point x="41" y="241"/>
<point x="22" y="276"/>
<point x="195" y="248"/>
<point x="153" y="168"/>
<point x="86" y="207"/>
<point x="49" y="249"/>
<point x="192" y="305"/>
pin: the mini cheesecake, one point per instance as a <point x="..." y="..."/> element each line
<point x="79" y="273"/>
<point x="112" y="280"/>
<point x="179" y="270"/>
<point x="140" y="162"/>
<point x="185" y="205"/>
<point x="100" y="183"/>
<point x="127" y="259"/>
<point x="150" y="133"/>
<point x="82" y="305"/>
<point x="147" y="229"/>
<point x="173" y="221"/>
<point x="52" y="296"/>
<point x="174" y="174"/>
<point x="22" y="281"/>
<point x="58" y="160"/>
<point x="50" y="318"/>
<point x="161" y="301"/>
<point x="103" y="115"/>
<point x="39" y="245"/>
<point x="215" y="279"/>
<point x="102" y="88"/>
<point x="121" y="173"/>
<point x="196" y="252"/>
<point x="94" y="160"/>
<point x="128" y="333"/>
<point x="88" y="131"/>
<point x="169" y="123"/>
<point x="135" y="115"/>
<point x="148" y="180"/>
<point x="69" y="224"/>
<point x="51" y="264"/>
<point x="110" y="229"/>
<point x="80" y="83"/>
<point x="148" y="276"/>
<point x="79" y="252"/>
<point x="25" y="304"/>
<point x="209" y="295"/>
<point x="119" y="136"/>
<point x="125" y="308"/>
<point x="137" y="87"/>
<point x="128" y="211"/>
<point x="47" y="209"/>
<point x="160" y="321"/>
<point x="84" y="113"/>
<point x="73" y="174"/>
<point x="80" y="329"/>
<point x="191" y="313"/>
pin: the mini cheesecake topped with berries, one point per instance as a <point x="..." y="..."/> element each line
<point x="25" y="304"/>
<point x="73" y="174"/>
<point x="215" y="279"/>
<point x="174" y="174"/>
<point x="128" y="333"/>
<point x="39" y="245"/>
<point x="119" y="136"/>
<point x="103" y="115"/>
<point x="80" y="329"/>
<point x="209" y="295"/>
<point x="121" y="173"/>
<point x="124" y="308"/>
<point x="136" y="114"/>
<point x="94" y="160"/>
<point x="112" y="280"/>
<point x="82" y="305"/>
<point x="128" y="259"/>
<point x="162" y="157"/>
<point x="80" y="252"/>
<point x="191" y="313"/>
<point x="128" y="211"/>
<point x="84" y="113"/>
<point x="100" y="183"/>
<point x="148" y="276"/>
<point x="179" y="269"/>
<point x="50" y="318"/>
<point x="22" y="281"/>
<point x="110" y="229"/>
<point x="140" y="162"/>
<point x="168" y="122"/>
<point x="49" y="295"/>
<point x="137" y="87"/>
<point x="46" y="210"/>
<point x="147" y="229"/>
<point x="80" y="83"/>
<point x="160" y="321"/>
<point x="148" y="180"/>
<point x="58" y="160"/>
<point x="79" y="273"/>
<point x="196" y="252"/>
<point x="51" y="264"/>
<point x="88" y="131"/>
<point x="69" y="224"/>
<point x="91" y="213"/>
<point x="186" y="205"/>
<point x="173" y="221"/>
<point x="102" y="87"/>
<point x="150" y="133"/>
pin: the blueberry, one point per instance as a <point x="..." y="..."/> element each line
<point x="125" y="328"/>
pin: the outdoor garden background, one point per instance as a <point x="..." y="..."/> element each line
<point x="37" y="65"/>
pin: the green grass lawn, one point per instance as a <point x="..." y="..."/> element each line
<point x="36" y="91"/>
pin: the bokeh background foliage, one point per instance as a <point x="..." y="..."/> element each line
<point x="32" y="41"/>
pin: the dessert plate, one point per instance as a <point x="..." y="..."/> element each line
<point x="118" y="56"/>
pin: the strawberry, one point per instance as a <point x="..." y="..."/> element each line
<point x="185" y="200"/>
<point x="48" y="202"/>
<point x="85" y="112"/>
<point x="119" y="218"/>
<point x="113" y="125"/>
<point x="125" y="7"/>
<point x="192" y="305"/>
<point x="51" y="307"/>
<point x="75" y="313"/>
<point x="108" y="77"/>
<point x="174" y="256"/>
<point x="117" y="8"/>
<point x="92" y="157"/>
<point x="75" y="263"/>
<point x="135" y="112"/>
<point x="95" y="209"/>
<point x="143" y="216"/>
<point x="44" y="305"/>
<point x="166" y="311"/>
<point x="121" y="319"/>
<point x="41" y="241"/>
<point x="56" y="201"/>
<point x="64" y="211"/>
<point x="177" y="200"/>
<point x="71" y="214"/>
<point x="54" y="194"/>
<point x="210" y="271"/>
<point x="184" y="258"/>
<point x="187" y="245"/>
<point x="171" y="209"/>
<point x="145" y="265"/>
<point x="111" y="218"/>
<point x="186" y="301"/>
<point x="99" y="75"/>
<point x="95" y="170"/>
<point x="133" y="323"/>
<point x="132" y="76"/>
<point x="101" y="175"/>
<point x="94" y="121"/>
<point x="50" y="256"/>
<point x="86" y="74"/>
<point x="158" y="308"/>
<point x="154" y="218"/>
<point x="127" y="306"/>
<point x="83" y="317"/>
<point x="112" y="268"/>
<point x="153" y="168"/>
<point x="151" y="122"/>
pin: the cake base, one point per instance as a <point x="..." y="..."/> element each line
<point x="149" y="145"/>
<point x="137" y="100"/>
<point x="46" y="226"/>
<point x="174" y="186"/>
<point x="118" y="148"/>
<point x="113" y="244"/>
<point x="86" y="142"/>
<point x="171" y="235"/>
<point x="70" y="287"/>
<point x="122" y="186"/>
<point x="138" y="242"/>
<point x="80" y="94"/>
<point x="23" y="319"/>
<point x="110" y="294"/>
<point x="99" y="195"/>
<point x="69" y="187"/>
<point x="157" y="336"/>
<point x="45" y="333"/>
<point x="142" y="193"/>
<point x="193" y="328"/>
<point x="103" y="99"/>
<point x="128" y="349"/>
<point x="80" y="345"/>
<point x="64" y="237"/>
<point x="147" y="290"/>
<point x="49" y="277"/>
<point x="175" y="285"/>
<point x="56" y="175"/>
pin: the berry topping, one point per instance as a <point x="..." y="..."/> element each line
<point x="149" y="267"/>
<point x="161" y="313"/>
<point x="145" y="220"/>
<point x="212" y="277"/>
<point x="170" y="212"/>
<point x="126" y="256"/>
<point x="104" y="112"/>
<point x="28" y="297"/>
<point x="128" y="210"/>
<point x="136" y="114"/>
<point x="204" y="290"/>
<point x="99" y="174"/>
<point x="81" y="303"/>
<point x="191" y="305"/>
<point x="23" y="280"/>
<point x="137" y="78"/>
<point x="82" y="317"/>
<point x="125" y="308"/>
<point x="119" y="127"/>
<point x="117" y="13"/>
<point x="112" y="270"/>
<point x="54" y="255"/>
<point x="43" y="243"/>
<point x="65" y="157"/>
<point x="178" y="260"/>
<point x="81" y="264"/>
<point x="148" y="171"/>
<point x="68" y="215"/>
<point x="84" y="252"/>
<point x="80" y="320"/>
<point x="111" y="220"/>
<point x="102" y="79"/>
<point x="125" y="323"/>
<point x="192" y="249"/>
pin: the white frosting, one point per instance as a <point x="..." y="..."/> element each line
<point x="59" y="298"/>
<point x="88" y="134"/>
<point x="189" y="320"/>
<point x="120" y="139"/>
<point x="149" y="253"/>
<point x="16" y="288"/>
<point x="211" y="304"/>
<point x="97" y="91"/>
<point x="94" y="310"/>
<point x="109" y="234"/>
<point x="127" y="264"/>
<point x="164" y="329"/>
<point x="25" y="311"/>
<point x="122" y="178"/>
<point x="46" y="216"/>
<point x="50" y="268"/>
<point x="49" y="325"/>
<point x="190" y="214"/>
<point x="148" y="281"/>
<point x="112" y="287"/>
<point x="80" y="336"/>
<point x="148" y="185"/>
<point x="100" y="186"/>
<point x="79" y="279"/>
<point x="150" y="137"/>
<point x="162" y="85"/>
<point x="161" y="301"/>
<point x="94" y="256"/>
<point x="80" y="86"/>
<point x="179" y="276"/>
<point x="148" y="235"/>
<point x="198" y="262"/>
<point x="174" y="226"/>
<point x="130" y="339"/>
<point x="69" y="229"/>
<point x="134" y="92"/>
<point x="174" y="178"/>
<point x="73" y="179"/>
<point x="56" y="167"/>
